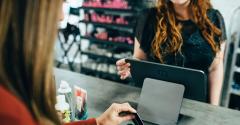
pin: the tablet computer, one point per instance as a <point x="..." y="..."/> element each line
<point x="194" y="81"/>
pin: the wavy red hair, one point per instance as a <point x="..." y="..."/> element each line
<point x="168" y="29"/>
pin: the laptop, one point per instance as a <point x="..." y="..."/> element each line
<point x="160" y="102"/>
<point x="194" y="81"/>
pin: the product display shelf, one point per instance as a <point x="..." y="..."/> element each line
<point x="235" y="92"/>
<point x="116" y="28"/>
<point x="98" y="41"/>
<point x="234" y="73"/>
<point x="108" y="25"/>
<point x="109" y="9"/>
<point x="233" y="77"/>
<point x="95" y="55"/>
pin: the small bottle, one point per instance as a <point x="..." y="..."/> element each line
<point x="63" y="107"/>
<point x="66" y="90"/>
<point x="81" y="112"/>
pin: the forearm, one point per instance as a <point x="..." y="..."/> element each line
<point x="138" y="52"/>
<point x="215" y="84"/>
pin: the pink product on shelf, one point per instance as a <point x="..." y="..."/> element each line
<point x="102" y="36"/>
<point x="108" y="4"/>
<point x="120" y="4"/>
<point x="96" y="3"/>
<point x="117" y="4"/>
<point x="129" y="40"/>
<point x="101" y="18"/>
<point x="106" y="19"/>
<point x="109" y="19"/>
<point x="121" y="39"/>
<point x="121" y="20"/>
<point x="94" y="17"/>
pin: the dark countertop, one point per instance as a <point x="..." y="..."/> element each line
<point x="101" y="93"/>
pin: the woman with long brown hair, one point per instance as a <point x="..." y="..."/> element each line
<point x="186" y="33"/>
<point x="27" y="92"/>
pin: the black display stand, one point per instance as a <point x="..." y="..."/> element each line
<point x="231" y="88"/>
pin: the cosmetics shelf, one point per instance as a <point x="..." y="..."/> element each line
<point x="109" y="9"/>
<point x="102" y="57"/>
<point x="234" y="103"/>
<point x="235" y="92"/>
<point x="108" y="25"/>
<point x="232" y="99"/>
<point x="111" y="29"/>
<point x="98" y="41"/>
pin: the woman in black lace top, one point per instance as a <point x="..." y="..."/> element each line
<point x="186" y="33"/>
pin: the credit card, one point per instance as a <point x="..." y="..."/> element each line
<point x="137" y="120"/>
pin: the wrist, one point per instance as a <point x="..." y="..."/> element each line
<point x="214" y="101"/>
<point x="99" y="121"/>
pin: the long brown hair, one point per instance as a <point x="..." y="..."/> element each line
<point x="27" y="33"/>
<point x="168" y="31"/>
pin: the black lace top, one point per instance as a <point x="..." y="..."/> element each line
<point x="196" y="53"/>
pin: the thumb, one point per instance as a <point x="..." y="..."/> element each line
<point x="121" y="62"/>
<point x="126" y="107"/>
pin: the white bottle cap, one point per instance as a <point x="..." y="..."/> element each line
<point x="61" y="105"/>
<point x="64" y="87"/>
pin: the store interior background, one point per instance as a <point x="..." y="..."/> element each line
<point x="73" y="59"/>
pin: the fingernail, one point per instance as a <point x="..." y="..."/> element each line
<point x="134" y="110"/>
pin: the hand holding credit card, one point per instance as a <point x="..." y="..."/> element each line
<point x="137" y="120"/>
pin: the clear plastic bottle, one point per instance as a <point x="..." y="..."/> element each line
<point x="66" y="90"/>
<point x="63" y="107"/>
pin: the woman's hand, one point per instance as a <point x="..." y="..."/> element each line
<point x="111" y="115"/>
<point x="123" y="68"/>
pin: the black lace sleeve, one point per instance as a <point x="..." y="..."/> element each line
<point x="217" y="19"/>
<point x="221" y="25"/>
